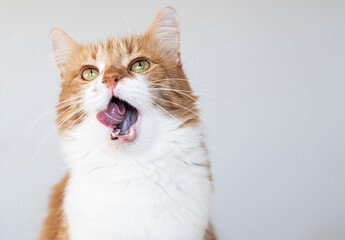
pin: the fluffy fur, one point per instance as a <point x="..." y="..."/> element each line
<point x="155" y="188"/>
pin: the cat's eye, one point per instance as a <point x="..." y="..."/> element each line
<point x="89" y="74"/>
<point x="139" y="66"/>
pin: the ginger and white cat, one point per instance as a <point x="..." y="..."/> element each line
<point x="137" y="164"/>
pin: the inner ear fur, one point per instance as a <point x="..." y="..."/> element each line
<point x="165" y="31"/>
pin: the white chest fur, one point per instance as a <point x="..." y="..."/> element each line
<point x="163" y="196"/>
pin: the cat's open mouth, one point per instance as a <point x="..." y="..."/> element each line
<point x="121" y="116"/>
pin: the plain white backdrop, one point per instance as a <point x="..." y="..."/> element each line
<point x="271" y="76"/>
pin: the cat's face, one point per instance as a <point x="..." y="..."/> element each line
<point x="121" y="90"/>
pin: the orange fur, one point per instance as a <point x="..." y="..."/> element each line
<point x="55" y="227"/>
<point x="210" y="233"/>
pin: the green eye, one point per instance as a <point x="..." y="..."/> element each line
<point x="89" y="74"/>
<point x="140" y="66"/>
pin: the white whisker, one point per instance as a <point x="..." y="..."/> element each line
<point x="185" y="80"/>
<point x="73" y="124"/>
<point x="50" y="131"/>
<point x="45" y="113"/>
<point x="193" y="112"/>
<point x="184" y="92"/>
<point x="165" y="110"/>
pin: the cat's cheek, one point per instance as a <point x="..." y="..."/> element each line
<point x="96" y="96"/>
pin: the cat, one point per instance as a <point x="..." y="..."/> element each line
<point x="133" y="144"/>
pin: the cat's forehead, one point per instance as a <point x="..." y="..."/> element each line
<point x="116" y="51"/>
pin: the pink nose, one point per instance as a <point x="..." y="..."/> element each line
<point x="111" y="80"/>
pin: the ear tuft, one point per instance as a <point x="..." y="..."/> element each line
<point x="63" y="47"/>
<point x="165" y="29"/>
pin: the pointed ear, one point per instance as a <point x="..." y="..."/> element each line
<point x="64" y="48"/>
<point x="165" y="30"/>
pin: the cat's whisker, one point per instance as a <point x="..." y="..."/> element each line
<point x="44" y="114"/>
<point x="196" y="114"/>
<point x="130" y="38"/>
<point x="50" y="132"/>
<point x="187" y="95"/>
<point x="164" y="110"/>
<point x="73" y="124"/>
<point x="152" y="109"/>
<point x="183" y="92"/>
<point x="53" y="109"/>
<point x="74" y="100"/>
<point x="59" y="124"/>
<point x="127" y="24"/>
<point x="158" y="83"/>
<point x="169" y="114"/>
<point x="148" y="105"/>
<point x="185" y="80"/>
<point x="67" y="105"/>
<point x="70" y="100"/>
<point x="148" y="109"/>
<point x="165" y="87"/>
<point x="148" y="99"/>
<point x="198" y="94"/>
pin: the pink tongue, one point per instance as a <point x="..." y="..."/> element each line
<point x="113" y="115"/>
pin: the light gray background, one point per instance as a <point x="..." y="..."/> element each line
<point x="277" y="69"/>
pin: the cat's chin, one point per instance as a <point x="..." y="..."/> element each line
<point x="121" y="117"/>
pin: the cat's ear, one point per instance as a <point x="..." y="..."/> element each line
<point x="64" y="48"/>
<point x="165" y="30"/>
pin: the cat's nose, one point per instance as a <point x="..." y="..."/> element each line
<point x="111" y="80"/>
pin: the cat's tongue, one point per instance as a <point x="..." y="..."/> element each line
<point x="113" y="115"/>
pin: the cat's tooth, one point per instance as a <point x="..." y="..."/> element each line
<point x="131" y="132"/>
<point x="115" y="133"/>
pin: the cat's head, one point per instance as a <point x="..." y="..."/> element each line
<point x="125" y="91"/>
